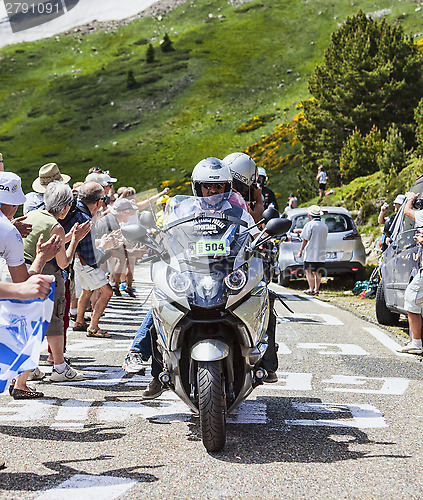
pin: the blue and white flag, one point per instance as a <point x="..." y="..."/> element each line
<point x="23" y="325"/>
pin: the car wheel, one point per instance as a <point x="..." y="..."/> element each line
<point x="384" y="315"/>
<point x="284" y="280"/>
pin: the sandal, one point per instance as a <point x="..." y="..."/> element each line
<point x="20" y="394"/>
<point x="80" y="327"/>
<point x="97" y="332"/>
<point x="309" y="292"/>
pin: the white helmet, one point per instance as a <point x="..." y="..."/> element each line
<point x="210" y="170"/>
<point x="262" y="171"/>
<point x="242" y="167"/>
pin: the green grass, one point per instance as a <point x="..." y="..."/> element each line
<point x="65" y="99"/>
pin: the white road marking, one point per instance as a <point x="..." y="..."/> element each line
<point x="74" y="409"/>
<point x="290" y="382"/>
<point x="358" y="416"/>
<point x="385" y="340"/>
<point x="87" y="487"/>
<point x="310" y="319"/>
<point x="283" y="348"/>
<point x="337" y="349"/>
<point x="68" y="426"/>
<point x="27" y="410"/>
<point x="390" y="385"/>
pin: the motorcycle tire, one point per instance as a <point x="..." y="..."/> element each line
<point x="212" y="404"/>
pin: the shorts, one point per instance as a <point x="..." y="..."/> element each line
<point x="90" y="278"/>
<point x="413" y="296"/>
<point x="56" y="326"/>
<point x="322" y="186"/>
<point x="315" y="266"/>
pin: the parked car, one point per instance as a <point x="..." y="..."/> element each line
<point x="345" y="252"/>
<point x="401" y="261"/>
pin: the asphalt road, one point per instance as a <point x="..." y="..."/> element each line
<point x="343" y="421"/>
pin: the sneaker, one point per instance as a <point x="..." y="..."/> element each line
<point x="271" y="378"/>
<point x="122" y="286"/>
<point x="410" y="348"/>
<point x="154" y="389"/>
<point x="36" y="374"/>
<point x="134" y="363"/>
<point x="68" y="375"/>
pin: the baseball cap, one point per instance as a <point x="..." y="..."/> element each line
<point x="399" y="199"/>
<point x="10" y="189"/>
<point x="99" y="178"/>
<point x="122" y="204"/>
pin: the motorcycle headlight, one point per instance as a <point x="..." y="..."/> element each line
<point x="236" y="280"/>
<point x="179" y="282"/>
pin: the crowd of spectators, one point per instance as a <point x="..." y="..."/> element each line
<point x="72" y="234"/>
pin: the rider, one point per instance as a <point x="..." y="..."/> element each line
<point x="269" y="197"/>
<point x="244" y="172"/>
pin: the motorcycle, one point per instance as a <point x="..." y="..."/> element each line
<point x="210" y="306"/>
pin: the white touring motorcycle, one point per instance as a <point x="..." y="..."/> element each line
<point x="210" y="306"/>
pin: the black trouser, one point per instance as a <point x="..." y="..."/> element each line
<point x="270" y="359"/>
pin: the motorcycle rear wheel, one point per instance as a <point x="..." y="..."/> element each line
<point x="212" y="404"/>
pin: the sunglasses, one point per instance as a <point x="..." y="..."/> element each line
<point x="215" y="185"/>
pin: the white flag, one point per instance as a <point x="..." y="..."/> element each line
<point x="23" y="325"/>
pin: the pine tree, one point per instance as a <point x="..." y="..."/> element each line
<point x="131" y="83"/>
<point x="393" y="157"/>
<point x="150" y="56"/>
<point x="166" y="44"/>
<point x="359" y="154"/>
<point x="371" y="76"/>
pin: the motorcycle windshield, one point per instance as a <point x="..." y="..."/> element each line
<point x="206" y="241"/>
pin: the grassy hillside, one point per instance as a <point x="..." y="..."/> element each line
<point x="66" y="99"/>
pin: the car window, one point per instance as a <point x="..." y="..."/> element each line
<point x="338" y="223"/>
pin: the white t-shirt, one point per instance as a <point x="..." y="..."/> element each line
<point x="323" y="177"/>
<point x="418" y="216"/>
<point x="11" y="244"/>
<point x="316" y="233"/>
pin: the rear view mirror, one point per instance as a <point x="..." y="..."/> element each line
<point x="270" y="213"/>
<point x="147" y="219"/>
<point x="134" y="232"/>
<point x="278" y="227"/>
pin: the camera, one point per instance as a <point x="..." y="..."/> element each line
<point x="385" y="206"/>
<point x="418" y="204"/>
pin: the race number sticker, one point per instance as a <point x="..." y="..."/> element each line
<point x="210" y="247"/>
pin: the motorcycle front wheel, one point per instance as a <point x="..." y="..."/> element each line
<point x="212" y="404"/>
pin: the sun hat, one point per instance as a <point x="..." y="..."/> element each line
<point x="10" y="189"/>
<point x="122" y="204"/>
<point x="48" y="173"/>
<point x="399" y="199"/>
<point x="314" y="211"/>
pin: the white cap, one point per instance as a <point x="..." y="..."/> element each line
<point x="108" y="179"/>
<point x="10" y="189"/>
<point x="94" y="177"/>
<point x="399" y="199"/>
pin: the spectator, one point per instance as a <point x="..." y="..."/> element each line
<point x="87" y="258"/>
<point x="321" y="178"/>
<point x="12" y="250"/>
<point x="119" y="213"/>
<point x="413" y="296"/>
<point x="47" y="173"/>
<point x="269" y="197"/>
<point x="388" y="221"/>
<point x="57" y="199"/>
<point x="292" y="201"/>
<point x="314" y="236"/>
